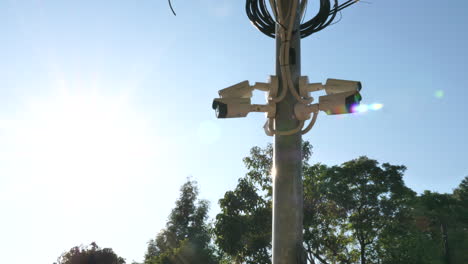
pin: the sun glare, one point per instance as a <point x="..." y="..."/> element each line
<point x="363" y="108"/>
<point x="80" y="146"/>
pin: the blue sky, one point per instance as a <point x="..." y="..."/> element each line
<point x="105" y="109"/>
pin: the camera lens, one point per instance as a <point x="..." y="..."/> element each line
<point x="352" y="102"/>
<point x="220" y="109"/>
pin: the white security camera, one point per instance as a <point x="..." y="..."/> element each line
<point x="332" y="86"/>
<point x="240" y="90"/>
<point x="235" y="99"/>
<point x="342" y="97"/>
<point x="335" y="86"/>
<point x="244" y="89"/>
<point x="339" y="103"/>
<point x="239" y="107"/>
<point x="231" y="107"/>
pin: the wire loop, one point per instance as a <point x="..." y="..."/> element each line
<point x="261" y="18"/>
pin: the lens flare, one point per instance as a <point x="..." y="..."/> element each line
<point x="439" y="94"/>
<point x="363" y="108"/>
<point x="376" y="106"/>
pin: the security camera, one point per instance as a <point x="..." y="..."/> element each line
<point x="332" y="86"/>
<point x="244" y="89"/>
<point x="231" y="107"/>
<point x="240" y="90"/>
<point x="339" y="103"/>
<point x="240" y="107"/>
<point x="335" y="86"/>
<point x="235" y="99"/>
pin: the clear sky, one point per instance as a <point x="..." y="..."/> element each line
<point x="105" y="109"/>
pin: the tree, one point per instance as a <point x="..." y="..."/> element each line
<point x="409" y="239"/>
<point x="243" y="228"/>
<point x="346" y="209"/>
<point x="460" y="231"/>
<point x="461" y="195"/>
<point x="373" y="197"/>
<point x="91" y="254"/>
<point x="446" y="222"/>
<point x="433" y="230"/>
<point x="186" y="238"/>
<point x="326" y="235"/>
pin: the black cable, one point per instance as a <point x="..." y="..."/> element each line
<point x="172" y="9"/>
<point x="261" y="18"/>
<point x="348" y="3"/>
<point x="339" y="19"/>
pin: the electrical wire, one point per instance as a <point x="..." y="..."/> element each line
<point x="261" y="18"/>
<point x="339" y="19"/>
<point x="258" y="14"/>
<point x="284" y="56"/>
<point x="273" y="130"/>
<point x="303" y="10"/>
<point x="172" y="9"/>
<point x="273" y="7"/>
<point x="311" y="124"/>
<point x="284" y="59"/>
<point x="285" y="33"/>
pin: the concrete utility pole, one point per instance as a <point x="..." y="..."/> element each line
<point x="287" y="158"/>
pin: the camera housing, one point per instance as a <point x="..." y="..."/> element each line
<point x="239" y="90"/>
<point x="235" y="100"/>
<point x="231" y="107"/>
<point x="336" y="86"/>
<point x="339" y="103"/>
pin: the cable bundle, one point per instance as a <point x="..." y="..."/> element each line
<point x="261" y="18"/>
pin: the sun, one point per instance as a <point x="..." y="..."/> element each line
<point x="82" y="146"/>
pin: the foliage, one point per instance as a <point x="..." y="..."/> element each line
<point x="445" y="217"/>
<point x="356" y="212"/>
<point x="408" y="240"/>
<point x="186" y="238"/>
<point x="347" y="207"/>
<point x="90" y="255"/>
<point x="461" y="193"/>
<point x="243" y="228"/>
<point x="435" y="230"/>
<point x="326" y="235"/>
<point x="459" y="232"/>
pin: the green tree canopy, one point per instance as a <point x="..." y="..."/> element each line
<point x="444" y="218"/>
<point x="347" y="207"/>
<point x="357" y="212"/>
<point x="186" y="238"/>
<point x="243" y="228"/>
<point x="91" y="254"/>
